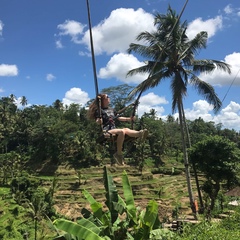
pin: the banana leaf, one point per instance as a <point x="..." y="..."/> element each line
<point x="95" y="206"/>
<point x="84" y="231"/>
<point x="151" y="214"/>
<point x="128" y="195"/>
<point x="120" y="206"/>
<point x="111" y="195"/>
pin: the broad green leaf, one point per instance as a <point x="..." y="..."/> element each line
<point x="84" y="231"/>
<point x="161" y="234"/>
<point x="127" y="191"/>
<point x="66" y="236"/>
<point x="111" y="195"/>
<point x="120" y="206"/>
<point x="95" y="206"/>
<point x="151" y="213"/>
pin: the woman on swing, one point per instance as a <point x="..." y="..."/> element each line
<point x="106" y="118"/>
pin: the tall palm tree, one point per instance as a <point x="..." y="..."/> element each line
<point x="171" y="57"/>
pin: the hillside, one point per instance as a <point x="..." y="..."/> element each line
<point x="170" y="191"/>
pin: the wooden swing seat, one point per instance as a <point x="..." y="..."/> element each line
<point x="112" y="138"/>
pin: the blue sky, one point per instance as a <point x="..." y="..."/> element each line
<point x="44" y="51"/>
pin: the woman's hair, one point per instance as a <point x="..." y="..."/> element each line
<point x="94" y="106"/>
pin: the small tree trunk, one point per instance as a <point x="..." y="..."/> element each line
<point x="186" y="162"/>
<point x="216" y="188"/>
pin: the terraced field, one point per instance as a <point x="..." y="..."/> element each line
<point x="170" y="191"/>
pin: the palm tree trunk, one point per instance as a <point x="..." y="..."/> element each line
<point x="185" y="154"/>
<point x="35" y="227"/>
<point x="194" y="166"/>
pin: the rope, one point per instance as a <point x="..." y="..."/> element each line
<point x="231" y="85"/>
<point x="92" y="50"/>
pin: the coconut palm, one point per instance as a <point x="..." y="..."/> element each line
<point x="23" y="101"/>
<point x="171" y="56"/>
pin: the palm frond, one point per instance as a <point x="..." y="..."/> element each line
<point x="207" y="91"/>
<point x="208" y="65"/>
<point x="179" y="90"/>
<point x="222" y="66"/>
<point x="150" y="82"/>
<point x="191" y="48"/>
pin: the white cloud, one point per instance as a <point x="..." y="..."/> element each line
<point x="75" y="95"/>
<point x="221" y="78"/>
<point x="70" y="28"/>
<point x="116" y="32"/>
<point x="1" y="90"/>
<point x="8" y="70"/>
<point x="201" y="109"/>
<point x="18" y="103"/>
<point x="1" y="27"/>
<point x="229" y="116"/>
<point x="59" y="44"/>
<point x="50" y="77"/>
<point x="228" y="9"/>
<point x="211" y="26"/>
<point x="119" y="65"/>
<point x="151" y="101"/>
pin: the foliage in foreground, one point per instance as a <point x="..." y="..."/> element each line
<point x="228" y="228"/>
<point x="100" y="224"/>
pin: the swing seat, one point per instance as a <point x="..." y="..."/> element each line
<point x="105" y="136"/>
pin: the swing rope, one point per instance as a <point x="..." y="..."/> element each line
<point x="135" y="104"/>
<point x="92" y="50"/>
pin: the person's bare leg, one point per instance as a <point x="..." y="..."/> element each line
<point x="132" y="133"/>
<point x="142" y="134"/>
<point x="120" y="139"/>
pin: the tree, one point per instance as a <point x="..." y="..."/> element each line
<point x="23" y="101"/>
<point x="217" y="158"/>
<point x="119" y="95"/>
<point x="8" y="111"/>
<point x="171" y="56"/>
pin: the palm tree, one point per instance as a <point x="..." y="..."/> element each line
<point x="23" y="101"/>
<point x="172" y="57"/>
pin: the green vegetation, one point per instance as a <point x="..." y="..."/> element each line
<point x="53" y="184"/>
<point x="107" y="224"/>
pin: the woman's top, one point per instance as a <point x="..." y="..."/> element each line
<point x="108" y="115"/>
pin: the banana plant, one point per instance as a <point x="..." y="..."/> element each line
<point x="99" y="224"/>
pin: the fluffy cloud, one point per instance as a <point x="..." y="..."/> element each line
<point x="75" y="95"/>
<point x="119" y="65"/>
<point x="229" y="116"/>
<point x="221" y="78"/>
<point x="151" y="101"/>
<point x="211" y="26"/>
<point x="8" y="70"/>
<point x="228" y="9"/>
<point x="201" y="109"/>
<point x="70" y="28"/>
<point x="118" y="30"/>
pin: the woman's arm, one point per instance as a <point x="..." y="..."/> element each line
<point x="126" y="119"/>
